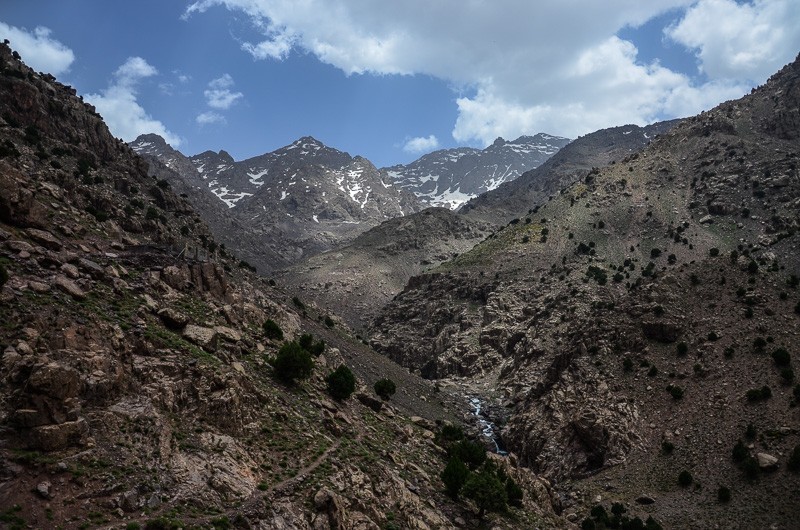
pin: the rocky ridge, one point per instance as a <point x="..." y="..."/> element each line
<point x="286" y="205"/>
<point x="450" y="177"/>
<point x="567" y="166"/>
<point x="137" y="389"/>
<point x="626" y="321"/>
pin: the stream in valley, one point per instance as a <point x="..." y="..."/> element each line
<point x="488" y="429"/>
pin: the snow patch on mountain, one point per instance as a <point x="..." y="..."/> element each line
<point x="450" y="177"/>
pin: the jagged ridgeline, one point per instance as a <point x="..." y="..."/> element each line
<point x="150" y="380"/>
<point x="642" y="323"/>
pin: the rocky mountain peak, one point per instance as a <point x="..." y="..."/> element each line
<point x="450" y="177"/>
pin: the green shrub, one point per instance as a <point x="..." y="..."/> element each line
<point x="653" y="371"/>
<point x="667" y="447"/>
<point x="713" y="252"/>
<point x="750" y="432"/>
<point x="341" y="383"/>
<point x="272" y="330"/>
<point x="675" y="391"/>
<point x="752" y="267"/>
<point x="487" y="492"/>
<point x="724" y="494"/>
<point x="329" y="321"/>
<point x="787" y="374"/>
<point x="759" y="394"/>
<point x="471" y="453"/>
<point x="781" y="357"/>
<point x="712" y="336"/>
<point x="3" y="275"/>
<point x="685" y="479"/>
<point x="682" y="348"/>
<point x="597" y="274"/>
<point x="306" y="341"/>
<point x="385" y="388"/>
<point x="759" y="343"/>
<point x="740" y="452"/>
<point x="750" y="468"/>
<point x="627" y="364"/>
<point x="454" y="476"/>
<point x="793" y="464"/>
<point x="151" y="213"/>
<point x="451" y="433"/>
<point x="298" y="303"/>
<point x="293" y="362"/>
<point x="514" y="493"/>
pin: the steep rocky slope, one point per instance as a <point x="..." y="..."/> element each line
<point x="136" y="384"/>
<point x="642" y="321"/>
<point x="229" y="230"/>
<point x="567" y="166"/>
<point x="450" y="177"/>
<point x="356" y="280"/>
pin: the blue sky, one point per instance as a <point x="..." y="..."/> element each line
<point x="392" y="80"/>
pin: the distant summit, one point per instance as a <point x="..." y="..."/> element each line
<point x="451" y="177"/>
<point x="302" y="199"/>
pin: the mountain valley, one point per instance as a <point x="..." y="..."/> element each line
<point x="302" y="340"/>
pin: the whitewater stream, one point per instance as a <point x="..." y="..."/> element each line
<point x="487" y="428"/>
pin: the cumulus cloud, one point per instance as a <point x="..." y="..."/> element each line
<point x="740" y="41"/>
<point x="210" y="117"/>
<point x="38" y="49"/>
<point x="219" y="94"/>
<point x="526" y="67"/>
<point x="421" y="144"/>
<point x="120" y="109"/>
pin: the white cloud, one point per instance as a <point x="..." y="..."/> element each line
<point x="39" y="51"/>
<point x="740" y="41"/>
<point x="525" y="67"/>
<point x="119" y="108"/>
<point x="219" y="96"/>
<point x="421" y="144"/>
<point x="210" y="117"/>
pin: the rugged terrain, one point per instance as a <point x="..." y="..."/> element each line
<point x="138" y="387"/>
<point x="631" y="323"/>
<point x="285" y="205"/>
<point x="450" y="177"/>
<point x="567" y="166"/>
<point x="356" y="280"/>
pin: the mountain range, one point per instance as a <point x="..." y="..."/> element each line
<point x="450" y="177"/>
<point x="607" y="341"/>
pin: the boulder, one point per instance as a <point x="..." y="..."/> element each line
<point x="69" y="287"/>
<point x="369" y="401"/>
<point x="206" y="338"/>
<point x="172" y="318"/>
<point x="44" y="238"/>
<point x="57" y="437"/>
<point x="766" y="461"/>
<point x="43" y="489"/>
<point x="228" y="334"/>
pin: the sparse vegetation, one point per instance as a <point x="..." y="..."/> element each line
<point x="685" y="479"/>
<point x="341" y="383"/>
<point x="486" y="491"/>
<point x="272" y="330"/>
<point x="723" y="495"/>
<point x="385" y="389"/>
<point x="292" y="363"/>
